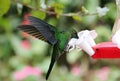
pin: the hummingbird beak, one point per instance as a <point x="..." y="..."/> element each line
<point x="69" y="48"/>
<point x="71" y="45"/>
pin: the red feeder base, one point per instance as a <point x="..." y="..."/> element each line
<point x="106" y="50"/>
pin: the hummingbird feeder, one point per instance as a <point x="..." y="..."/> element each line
<point x="110" y="49"/>
<point x="85" y="41"/>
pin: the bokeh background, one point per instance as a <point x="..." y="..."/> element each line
<point x="24" y="58"/>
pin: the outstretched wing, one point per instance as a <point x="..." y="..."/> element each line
<point x="31" y="30"/>
<point x="44" y="28"/>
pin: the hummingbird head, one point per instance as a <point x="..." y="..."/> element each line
<point x="72" y="42"/>
<point x="74" y="35"/>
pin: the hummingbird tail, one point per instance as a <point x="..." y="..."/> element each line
<point x="50" y="68"/>
<point x="54" y="57"/>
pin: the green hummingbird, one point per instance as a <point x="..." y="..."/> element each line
<point x="48" y="33"/>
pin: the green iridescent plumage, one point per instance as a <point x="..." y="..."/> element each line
<point x="50" y="34"/>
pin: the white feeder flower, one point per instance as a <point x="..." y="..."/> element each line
<point x="102" y="11"/>
<point x="93" y="34"/>
<point x="116" y="38"/>
<point x="88" y="36"/>
<point x="82" y="44"/>
<point x="86" y="41"/>
<point x="71" y="44"/>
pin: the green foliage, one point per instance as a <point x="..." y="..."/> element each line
<point x="4" y="6"/>
<point x="91" y="7"/>
<point x="77" y="18"/>
<point x="73" y="56"/>
<point x="38" y="14"/>
<point x="26" y="1"/>
<point x="31" y="78"/>
<point x="101" y="33"/>
<point x="112" y="12"/>
<point x="58" y="8"/>
<point x="114" y="74"/>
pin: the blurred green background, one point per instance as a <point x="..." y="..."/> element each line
<point x="19" y="51"/>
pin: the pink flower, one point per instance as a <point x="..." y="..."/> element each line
<point x="25" y="72"/>
<point x="103" y="73"/>
<point x="25" y="20"/>
<point x="25" y="44"/>
<point x="75" y="70"/>
<point x="18" y="76"/>
<point x="25" y="35"/>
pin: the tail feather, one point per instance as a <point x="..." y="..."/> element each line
<point x="54" y="57"/>
<point x="50" y="68"/>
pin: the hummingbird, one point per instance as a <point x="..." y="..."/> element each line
<point x="56" y="38"/>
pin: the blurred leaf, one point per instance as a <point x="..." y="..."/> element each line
<point x="4" y="47"/>
<point x="26" y="1"/>
<point x="63" y="75"/>
<point x="19" y="50"/>
<point x="84" y="10"/>
<point x="58" y="8"/>
<point x="77" y="18"/>
<point x="16" y="62"/>
<point x="112" y="11"/>
<point x="44" y="65"/>
<point x="104" y="34"/>
<point x="52" y="21"/>
<point x="5" y="25"/>
<point x="14" y="22"/>
<point x="31" y="78"/>
<point x="4" y="6"/>
<point x="4" y="72"/>
<point x="65" y="2"/>
<point x="35" y="3"/>
<point x="114" y="75"/>
<point x="91" y="7"/>
<point x="38" y="14"/>
<point x="39" y="47"/>
<point x="73" y="56"/>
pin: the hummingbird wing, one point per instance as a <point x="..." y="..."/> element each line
<point x="47" y="30"/>
<point x="34" y="32"/>
<point x="29" y="29"/>
<point x="43" y="31"/>
<point x="54" y="57"/>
